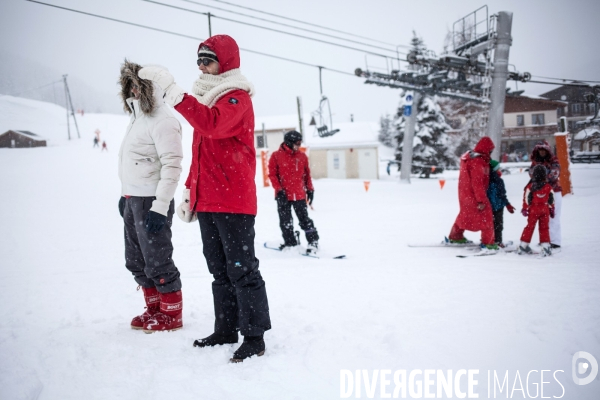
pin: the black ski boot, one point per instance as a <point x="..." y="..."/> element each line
<point x="252" y="346"/>
<point x="215" y="340"/>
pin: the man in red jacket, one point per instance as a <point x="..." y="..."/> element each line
<point x="290" y="177"/>
<point x="475" y="208"/>
<point x="221" y="192"/>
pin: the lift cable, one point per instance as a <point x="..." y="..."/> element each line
<point x="290" y="26"/>
<point x="190" y="37"/>
<point x="306" y="23"/>
<point x="32" y="89"/>
<point x="272" y="29"/>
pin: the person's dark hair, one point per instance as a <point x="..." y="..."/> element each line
<point x="538" y="177"/>
<point x="538" y="174"/>
<point x="291" y="138"/>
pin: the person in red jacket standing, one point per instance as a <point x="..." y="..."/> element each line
<point x="475" y="208"/>
<point x="542" y="155"/>
<point x="538" y="205"/>
<point x="221" y="192"/>
<point x="290" y="177"/>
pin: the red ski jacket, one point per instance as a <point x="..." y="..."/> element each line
<point x="289" y="170"/>
<point x="223" y="168"/>
<point x="473" y="181"/>
<point x="540" y="199"/>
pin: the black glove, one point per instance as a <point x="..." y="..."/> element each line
<point x="155" y="222"/>
<point x="122" y="205"/>
<point x="281" y="196"/>
<point x="310" y="195"/>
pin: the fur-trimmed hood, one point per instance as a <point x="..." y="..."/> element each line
<point x="542" y="145"/>
<point x="148" y="91"/>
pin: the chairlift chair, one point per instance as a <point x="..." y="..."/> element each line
<point x="322" y="129"/>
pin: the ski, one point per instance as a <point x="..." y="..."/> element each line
<point x="445" y="243"/>
<point x="509" y="247"/>
<point x="480" y="254"/>
<point x="302" y="251"/>
<point x="271" y="247"/>
<point x="340" y="257"/>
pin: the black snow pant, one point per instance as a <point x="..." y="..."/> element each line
<point x="239" y="293"/>
<point x="286" y="221"/>
<point x="149" y="256"/>
<point x="498" y="224"/>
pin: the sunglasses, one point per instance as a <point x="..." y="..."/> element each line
<point x="204" y="61"/>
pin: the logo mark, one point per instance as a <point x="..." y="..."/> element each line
<point x="582" y="363"/>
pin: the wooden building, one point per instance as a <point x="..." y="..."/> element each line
<point x="528" y="120"/>
<point x="21" y="139"/>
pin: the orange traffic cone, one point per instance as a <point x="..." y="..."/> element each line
<point x="366" y="183"/>
<point x="442" y="183"/>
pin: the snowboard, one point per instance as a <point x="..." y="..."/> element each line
<point x="302" y="251"/>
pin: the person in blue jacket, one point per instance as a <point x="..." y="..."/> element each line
<point x="496" y="193"/>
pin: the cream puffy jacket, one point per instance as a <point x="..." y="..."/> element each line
<point x="151" y="153"/>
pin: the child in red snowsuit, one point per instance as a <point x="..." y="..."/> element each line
<point x="538" y="205"/>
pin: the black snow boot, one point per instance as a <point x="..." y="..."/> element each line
<point x="252" y="346"/>
<point x="215" y="340"/>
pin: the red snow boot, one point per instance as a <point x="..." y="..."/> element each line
<point x="169" y="318"/>
<point x="152" y="307"/>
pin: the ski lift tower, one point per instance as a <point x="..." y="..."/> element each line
<point x="503" y="41"/>
<point x="467" y="72"/>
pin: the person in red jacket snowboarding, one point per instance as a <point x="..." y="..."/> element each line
<point x="220" y="190"/>
<point x="475" y="208"/>
<point x="290" y="177"/>
<point x="538" y="205"/>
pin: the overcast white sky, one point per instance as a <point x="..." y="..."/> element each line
<point x="550" y="38"/>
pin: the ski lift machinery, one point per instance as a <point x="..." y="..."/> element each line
<point x="322" y="128"/>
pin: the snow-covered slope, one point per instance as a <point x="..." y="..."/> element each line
<point x="67" y="299"/>
<point x="50" y="121"/>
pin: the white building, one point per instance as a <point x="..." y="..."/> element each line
<point x="352" y="153"/>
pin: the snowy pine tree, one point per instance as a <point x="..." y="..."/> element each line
<point x="468" y="121"/>
<point x="418" y="48"/>
<point x="386" y="131"/>
<point x="430" y="144"/>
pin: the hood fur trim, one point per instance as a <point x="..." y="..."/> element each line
<point x="129" y="76"/>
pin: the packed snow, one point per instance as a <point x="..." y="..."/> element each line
<point x="68" y="299"/>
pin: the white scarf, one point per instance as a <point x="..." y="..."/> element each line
<point x="208" y="89"/>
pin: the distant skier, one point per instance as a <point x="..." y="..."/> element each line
<point x="221" y="192"/>
<point x="290" y="177"/>
<point x="538" y="206"/>
<point x="496" y="193"/>
<point x="475" y="208"/>
<point x="149" y="169"/>
<point x="96" y="144"/>
<point x="542" y="155"/>
<point x="104" y="146"/>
